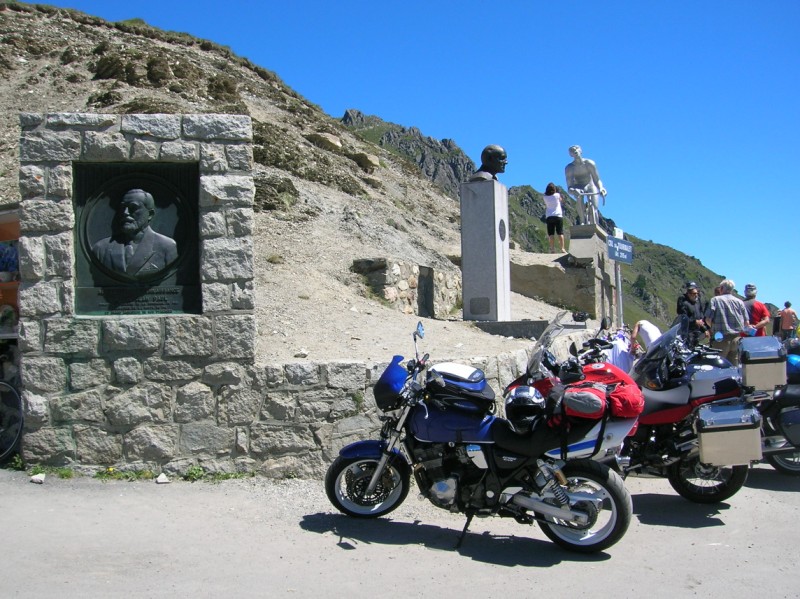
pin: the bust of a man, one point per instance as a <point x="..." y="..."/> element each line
<point x="493" y="161"/>
<point x="134" y="248"/>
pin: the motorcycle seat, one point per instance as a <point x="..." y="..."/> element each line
<point x="537" y="441"/>
<point x="788" y="396"/>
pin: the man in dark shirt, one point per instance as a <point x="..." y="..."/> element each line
<point x="689" y="305"/>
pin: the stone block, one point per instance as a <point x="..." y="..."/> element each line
<point x="49" y="446"/>
<point x="178" y="151"/>
<point x="188" y="336"/>
<point x="128" y="371"/>
<point x="226" y="259"/>
<point x="94" y="445"/>
<point x="152" y="443"/>
<point x="37" y="300"/>
<point x="84" y="375"/>
<point x="128" y="334"/>
<point x="105" y="147"/>
<point x="77" y="407"/>
<point x="43" y="374"/>
<point x="149" y="402"/>
<point x="44" y="216"/>
<point x="226" y="190"/>
<point x="236" y="336"/>
<point x="206" y="438"/>
<point x="213" y="127"/>
<point x="162" y="126"/>
<point x="194" y="402"/>
<point x="32" y="183"/>
<point x="73" y="337"/>
<point x="50" y="146"/>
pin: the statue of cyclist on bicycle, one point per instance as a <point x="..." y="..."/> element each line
<point x="584" y="183"/>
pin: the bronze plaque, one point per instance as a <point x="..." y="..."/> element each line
<point x="136" y="238"/>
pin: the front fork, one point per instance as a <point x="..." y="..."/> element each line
<point x="393" y="440"/>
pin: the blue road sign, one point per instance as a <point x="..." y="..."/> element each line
<point x="620" y="250"/>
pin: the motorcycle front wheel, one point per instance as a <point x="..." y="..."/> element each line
<point x="607" y="524"/>
<point x="785" y="463"/>
<point x="703" y="483"/>
<point x="347" y="479"/>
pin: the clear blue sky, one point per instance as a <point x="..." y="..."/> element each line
<point x="689" y="109"/>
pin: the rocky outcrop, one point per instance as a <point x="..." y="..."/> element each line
<point x="443" y="162"/>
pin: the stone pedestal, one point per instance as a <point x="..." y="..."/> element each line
<point x="485" y="251"/>
<point x="588" y="249"/>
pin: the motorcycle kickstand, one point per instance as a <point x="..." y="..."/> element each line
<point x="470" y="515"/>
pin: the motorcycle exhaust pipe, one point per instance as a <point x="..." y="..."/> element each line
<point x="537" y="505"/>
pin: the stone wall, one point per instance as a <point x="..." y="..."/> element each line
<point x="411" y="288"/>
<point x="133" y="389"/>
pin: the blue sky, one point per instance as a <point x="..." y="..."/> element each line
<point x="689" y="109"/>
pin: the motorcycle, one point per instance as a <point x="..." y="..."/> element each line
<point x="439" y="425"/>
<point x="778" y="403"/>
<point x="697" y="429"/>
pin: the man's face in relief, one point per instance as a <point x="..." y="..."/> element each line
<point x="133" y="215"/>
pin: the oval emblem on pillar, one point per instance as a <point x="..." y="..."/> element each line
<point x="502" y="230"/>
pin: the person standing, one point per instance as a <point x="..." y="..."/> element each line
<point x="757" y="312"/>
<point x="689" y="305"/>
<point x="554" y="216"/>
<point x="727" y="315"/>
<point x="788" y="321"/>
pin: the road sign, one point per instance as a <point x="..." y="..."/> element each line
<point x="620" y="250"/>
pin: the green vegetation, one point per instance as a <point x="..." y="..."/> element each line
<point x="59" y="471"/>
<point x="128" y="475"/>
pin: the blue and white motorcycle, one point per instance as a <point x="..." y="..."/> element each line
<point x="439" y="425"/>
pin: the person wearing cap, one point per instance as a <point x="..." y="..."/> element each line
<point x="689" y="305"/>
<point x="758" y="312"/>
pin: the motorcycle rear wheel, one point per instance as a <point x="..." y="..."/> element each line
<point x="347" y="479"/>
<point x="703" y="483"/>
<point x="785" y="463"/>
<point x="607" y="525"/>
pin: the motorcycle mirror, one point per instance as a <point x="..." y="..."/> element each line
<point x="573" y="349"/>
<point x="605" y="323"/>
<point x="420" y="332"/>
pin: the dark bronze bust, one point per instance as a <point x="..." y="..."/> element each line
<point x="134" y="248"/>
<point x="493" y="161"/>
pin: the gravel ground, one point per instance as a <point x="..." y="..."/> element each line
<point x="261" y="538"/>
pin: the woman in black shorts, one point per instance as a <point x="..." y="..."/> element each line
<point x="554" y="216"/>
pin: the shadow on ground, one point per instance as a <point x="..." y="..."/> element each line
<point x="673" y="510"/>
<point x="501" y="550"/>
<point x="769" y="479"/>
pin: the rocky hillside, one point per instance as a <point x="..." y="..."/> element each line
<point x="328" y="191"/>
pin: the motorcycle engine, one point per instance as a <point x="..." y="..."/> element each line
<point x="449" y="477"/>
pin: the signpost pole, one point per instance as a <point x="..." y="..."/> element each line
<point x="619" y="250"/>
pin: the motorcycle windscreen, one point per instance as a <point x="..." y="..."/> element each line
<point x="438" y="426"/>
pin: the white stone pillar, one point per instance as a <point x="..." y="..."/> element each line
<point x="485" y="265"/>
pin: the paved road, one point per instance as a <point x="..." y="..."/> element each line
<point x="256" y="538"/>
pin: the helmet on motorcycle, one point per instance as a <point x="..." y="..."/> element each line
<point x="571" y="372"/>
<point x="523" y="406"/>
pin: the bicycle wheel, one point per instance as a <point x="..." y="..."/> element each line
<point x="10" y="420"/>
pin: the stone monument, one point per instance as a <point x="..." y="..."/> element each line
<point x="485" y="265"/>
